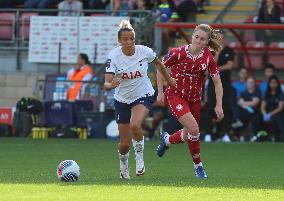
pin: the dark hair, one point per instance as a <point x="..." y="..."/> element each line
<point x="271" y="66"/>
<point x="124" y="26"/>
<point x="85" y="58"/>
<point x="278" y="89"/>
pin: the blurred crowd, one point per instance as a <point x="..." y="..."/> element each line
<point x="185" y="10"/>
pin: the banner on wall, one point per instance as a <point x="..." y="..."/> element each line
<point x="6" y="115"/>
<point x="76" y="35"/>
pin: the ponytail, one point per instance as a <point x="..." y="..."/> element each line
<point x="213" y="37"/>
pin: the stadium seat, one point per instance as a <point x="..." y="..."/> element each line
<point x="24" y="28"/>
<point x="7" y="26"/>
<point x="275" y="56"/>
<point x="256" y="54"/>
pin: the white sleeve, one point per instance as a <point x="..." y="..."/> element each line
<point x="151" y="55"/>
<point x="110" y="66"/>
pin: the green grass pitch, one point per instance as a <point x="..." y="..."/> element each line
<point x="237" y="172"/>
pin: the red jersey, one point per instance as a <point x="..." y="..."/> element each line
<point x="189" y="71"/>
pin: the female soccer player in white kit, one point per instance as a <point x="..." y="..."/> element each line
<point x="126" y="71"/>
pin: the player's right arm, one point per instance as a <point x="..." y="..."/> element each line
<point x="160" y="96"/>
<point x="110" y="80"/>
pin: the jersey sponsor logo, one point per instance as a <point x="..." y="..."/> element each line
<point x="131" y="75"/>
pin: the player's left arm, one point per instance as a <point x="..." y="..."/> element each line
<point x="214" y="73"/>
<point x="219" y="96"/>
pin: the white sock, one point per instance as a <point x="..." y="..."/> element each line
<point x="167" y="139"/>
<point x="123" y="157"/>
<point x="197" y="165"/>
<point x="138" y="148"/>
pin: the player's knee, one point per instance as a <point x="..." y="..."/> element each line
<point x="194" y="130"/>
<point x="135" y="127"/>
<point x="124" y="145"/>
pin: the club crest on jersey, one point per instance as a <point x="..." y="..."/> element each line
<point x="131" y="75"/>
<point x="203" y="66"/>
<point x="179" y="107"/>
<point x="108" y="63"/>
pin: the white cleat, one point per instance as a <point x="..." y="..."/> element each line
<point x="124" y="171"/>
<point x="124" y="174"/>
<point x="140" y="167"/>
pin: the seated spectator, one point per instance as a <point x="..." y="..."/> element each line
<point x="240" y="84"/>
<point x="186" y="9"/>
<point x="269" y="12"/>
<point x="249" y="107"/>
<point x="98" y="4"/>
<point x="5" y="4"/>
<point x="70" y="8"/>
<point x="77" y="75"/>
<point x="272" y="108"/>
<point x="268" y="72"/>
<point x="166" y="16"/>
<point x="140" y="5"/>
<point x="117" y="8"/>
<point x="41" y="4"/>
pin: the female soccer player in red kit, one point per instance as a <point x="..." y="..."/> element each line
<point x="188" y="65"/>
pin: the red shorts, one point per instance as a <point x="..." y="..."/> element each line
<point x="179" y="106"/>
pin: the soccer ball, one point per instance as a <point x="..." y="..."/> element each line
<point x="68" y="170"/>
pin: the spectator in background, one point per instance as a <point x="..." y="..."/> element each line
<point x="5" y="4"/>
<point x="70" y="8"/>
<point x="225" y="61"/>
<point x="117" y="8"/>
<point x="269" y="12"/>
<point x="98" y="4"/>
<point x="240" y="84"/>
<point x="77" y="75"/>
<point x="249" y="107"/>
<point x="186" y="10"/>
<point x="272" y="107"/>
<point x="166" y="14"/>
<point x="41" y="4"/>
<point x="268" y="72"/>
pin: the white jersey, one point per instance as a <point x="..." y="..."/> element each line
<point x="131" y="71"/>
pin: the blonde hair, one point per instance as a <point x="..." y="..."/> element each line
<point x="124" y="26"/>
<point x="213" y="37"/>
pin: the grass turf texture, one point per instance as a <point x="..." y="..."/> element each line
<point x="236" y="172"/>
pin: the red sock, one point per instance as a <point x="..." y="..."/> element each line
<point x="194" y="148"/>
<point x="176" y="137"/>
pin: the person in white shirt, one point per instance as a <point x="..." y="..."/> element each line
<point x="70" y="8"/>
<point x="126" y="71"/>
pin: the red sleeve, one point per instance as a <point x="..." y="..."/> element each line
<point x="212" y="65"/>
<point x="171" y="57"/>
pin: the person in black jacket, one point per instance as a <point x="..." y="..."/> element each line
<point x="272" y="108"/>
<point x="269" y="13"/>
